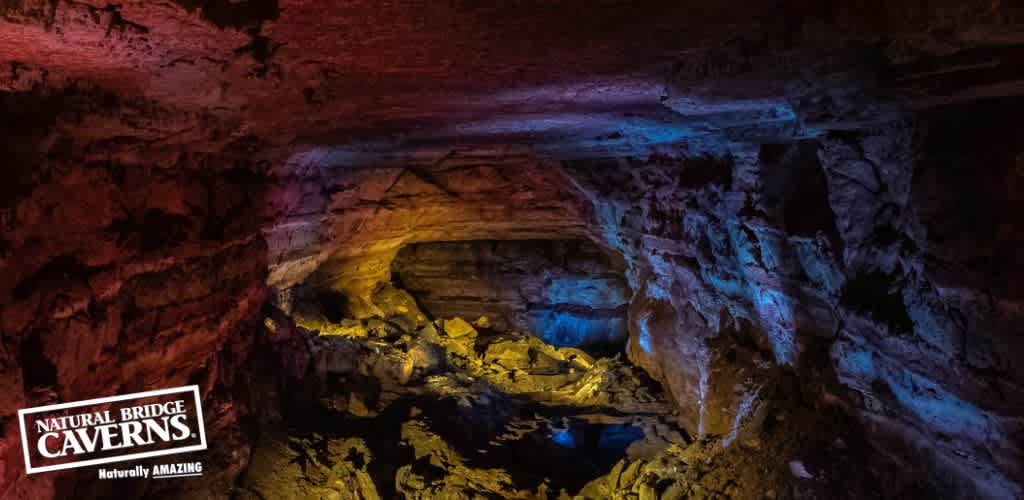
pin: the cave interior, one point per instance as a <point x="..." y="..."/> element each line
<point x="602" y="249"/>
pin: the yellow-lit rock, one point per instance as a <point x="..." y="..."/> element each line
<point x="458" y="327"/>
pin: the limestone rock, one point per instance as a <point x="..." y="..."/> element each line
<point x="458" y="327"/>
<point x="295" y="468"/>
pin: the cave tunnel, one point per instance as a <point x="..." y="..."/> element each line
<point x="266" y="249"/>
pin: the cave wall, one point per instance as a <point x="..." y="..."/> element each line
<point x="126" y="263"/>
<point x="838" y="242"/>
<point x="342" y="227"/>
<point x="568" y="292"/>
<point x="705" y="259"/>
<point x="932" y="362"/>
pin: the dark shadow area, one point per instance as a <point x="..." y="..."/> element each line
<point x="37" y="371"/>
<point x="877" y="295"/>
<point x="563" y="458"/>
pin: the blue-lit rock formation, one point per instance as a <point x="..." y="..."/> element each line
<point x="831" y="243"/>
<point x="567" y="292"/>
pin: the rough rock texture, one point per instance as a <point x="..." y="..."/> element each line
<point x="451" y="413"/>
<point x="110" y="260"/>
<point x="811" y="198"/>
<point x="317" y="468"/>
<point x="748" y="282"/>
<point x="341" y="227"/>
<point x="750" y="267"/>
<point x="567" y="292"/>
<point x="444" y="413"/>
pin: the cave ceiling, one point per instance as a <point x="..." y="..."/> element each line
<point x="376" y="82"/>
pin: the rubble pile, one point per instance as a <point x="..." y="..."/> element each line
<point x="418" y="408"/>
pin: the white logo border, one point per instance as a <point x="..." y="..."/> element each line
<point x="194" y="389"/>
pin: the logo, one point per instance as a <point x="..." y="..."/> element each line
<point x="113" y="429"/>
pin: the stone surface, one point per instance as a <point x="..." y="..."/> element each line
<point x="567" y="292"/>
<point x="516" y="417"/>
<point x="460" y="411"/>
<point x="810" y="199"/>
<point x="329" y="468"/>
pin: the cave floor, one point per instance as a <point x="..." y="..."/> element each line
<point x="412" y="408"/>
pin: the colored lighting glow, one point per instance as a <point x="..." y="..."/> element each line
<point x="563" y="438"/>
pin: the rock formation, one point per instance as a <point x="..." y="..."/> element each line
<point x="566" y="292"/>
<point x="795" y="220"/>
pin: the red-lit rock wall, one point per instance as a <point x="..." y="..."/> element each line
<point x="122" y="268"/>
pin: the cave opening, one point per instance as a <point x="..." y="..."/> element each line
<point x="570" y="293"/>
<point x="507" y="357"/>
